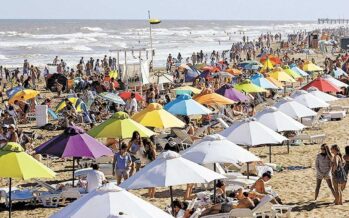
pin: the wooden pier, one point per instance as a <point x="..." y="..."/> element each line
<point x="332" y="21"/>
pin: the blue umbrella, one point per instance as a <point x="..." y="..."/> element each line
<point x="185" y="105"/>
<point x="13" y="91"/>
<point x="260" y="81"/>
<point x="299" y="71"/>
<point x="191" y="74"/>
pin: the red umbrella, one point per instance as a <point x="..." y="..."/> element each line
<point x="211" y="69"/>
<point x="322" y="85"/>
<point x="274" y="60"/>
<point x="127" y="95"/>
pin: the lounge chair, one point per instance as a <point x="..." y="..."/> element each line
<point x="334" y="115"/>
<point x="311" y="139"/>
<point x="184" y="137"/>
<point x="25" y="195"/>
<point x="314" y="122"/>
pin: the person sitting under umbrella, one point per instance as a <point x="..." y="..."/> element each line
<point x="95" y="178"/>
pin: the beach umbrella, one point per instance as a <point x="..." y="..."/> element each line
<point x="275" y="82"/>
<point x="259" y="80"/>
<point x="77" y="102"/>
<point x="308" y="100"/>
<point x="185" y="105"/>
<point x="281" y="76"/>
<point x="294" y="109"/>
<point x="187" y="90"/>
<point x="267" y="66"/>
<point x="74" y="142"/>
<point x="16" y="163"/>
<point x="23" y="95"/>
<point x="310" y="67"/>
<point x="250" y="132"/>
<point x="208" y="97"/>
<point x="155" y="116"/>
<point x="191" y="73"/>
<point x="229" y="92"/>
<point x="211" y="69"/>
<point x="338" y="72"/>
<point x="108" y="96"/>
<point x="223" y="74"/>
<point x="322" y="85"/>
<point x="217" y="149"/>
<point x="322" y="95"/>
<point x="335" y="82"/>
<point x="121" y="126"/>
<point x="250" y="65"/>
<point x="127" y="95"/>
<point x="110" y="201"/>
<point x="278" y="121"/>
<point x="271" y="58"/>
<point x="299" y="71"/>
<point x="291" y="73"/>
<point x="248" y="87"/>
<point x="167" y="170"/>
<point x="13" y="91"/>
<point x="234" y="72"/>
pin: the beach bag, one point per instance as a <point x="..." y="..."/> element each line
<point x="340" y="175"/>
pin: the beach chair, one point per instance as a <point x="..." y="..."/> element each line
<point x="25" y="195"/>
<point x="314" y="122"/>
<point x="222" y="122"/>
<point x="279" y="210"/>
<point x="311" y="139"/>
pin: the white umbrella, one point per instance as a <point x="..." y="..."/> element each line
<point x="250" y="132"/>
<point x="335" y="82"/>
<point x="294" y="109"/>
<point x="110" y="201"/>
<point x="308" y="100"/>
<point x="322" y="95"/>
<point x="217" y="149"/>
<point x="170" y="169"/>
<point x="278" y="121"/>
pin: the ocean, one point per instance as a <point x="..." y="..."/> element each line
<point x="40" y="41"/>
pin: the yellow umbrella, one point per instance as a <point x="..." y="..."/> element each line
<point x="310" y="67"/>
<point x="248" y="87"/>
<point x="281" y="76"/>
<point x="121" y="126"/>
<point x="24" y="95"/>
<point x="267" y="66"/>
<point x="275" y="82"/>
<point x="16" y="163"/>
<point x="77" y="102"/>
<point x="293" y="74"/>
<point x="113" y="74"/>
<point x="155" y="116"/>
<point x="208" y="97"/>
<point x="187" y="89"/>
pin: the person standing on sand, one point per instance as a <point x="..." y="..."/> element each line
<point x="346" y="159"/>
<point x="323" y="169"/>
<point x="338" y="174"/>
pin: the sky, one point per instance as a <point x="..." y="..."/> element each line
<point x="174" y="9"/>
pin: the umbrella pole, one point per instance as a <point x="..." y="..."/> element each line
<point x="288" y="147"/>
<point x="171" y="194"/>
<point x="214" y="185"/>
<point x="248" y="166"/>
<point x="73" y="171"/>
<point x="269" y="153"/>
<point x="10" y="199"/>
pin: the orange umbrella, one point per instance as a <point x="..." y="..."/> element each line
<point x="274" y="60"/>
<point x="211" y="69"/>
<point x="234" y="72"/>
<point x="209" y="97"/>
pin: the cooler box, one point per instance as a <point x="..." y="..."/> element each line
<point x="41" y="115"/>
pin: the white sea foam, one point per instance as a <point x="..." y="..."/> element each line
<point x="3" y="57"/>
<point x="92" y="29"/>
<point x="82" y="48"/>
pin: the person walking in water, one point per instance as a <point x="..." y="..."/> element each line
<point x="323" y="169"/>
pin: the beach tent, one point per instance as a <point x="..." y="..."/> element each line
<point x="16" y="163"/>
<point x="248" y="87"/>
<point x="167" y="170"/>
<point x="208" y="97"/>
<point x="278" y="121"/>
<point x="127" y="95"/>
<point x="336" y="82"/>
<point x="110" y="201"/>
<point x="24" y="95"/>
<point x="322" y="85"/>
<point x="191" y="73"/>
<point x="271" y="58"/>
<point x="229" y="92"/>
<point x="310" y="67"/>
<point x="299" y="71"/>
<point x="79" y="105"/>
<point x="294" y="109"/>
<point x="185" y="105"/>
<point x="51" y="78"/>
<point x="119" y="126"/>
<point x="322" y="95"/>
<point x="308" y="99"/>
<point x="259" y="80"/>
<point x="155" y="116"/>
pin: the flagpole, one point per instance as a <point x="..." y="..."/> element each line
<point x="151" y="41"/>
